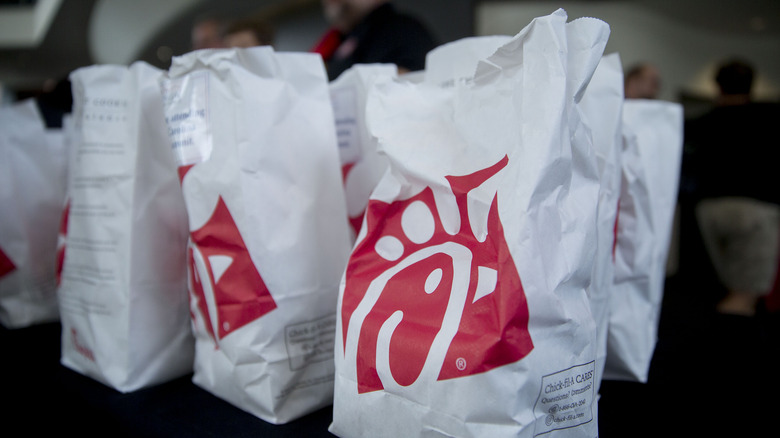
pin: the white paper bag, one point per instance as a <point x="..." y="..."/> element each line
<point x="70" y="139"/>
<point x="602" y="106"/>
<point x="361" y="164"/>
<point x="254" y="135"/>
<point x="464" y="309"/>
<point x="651" y="159"/>
<point x="32" y="188"/>
<point x="123" y="290"/>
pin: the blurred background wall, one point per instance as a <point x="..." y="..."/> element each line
<point x="685" y="39"/>
<point x="41" y="41"/>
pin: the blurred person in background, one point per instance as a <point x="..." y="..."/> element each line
<point x="55" y="101"/>
<point x="248" y="33"/>
<point x="208" y="32"/>
<point x="372" y="31"/>
<point x="642" y="81"/>
<point x="730" y="152"/>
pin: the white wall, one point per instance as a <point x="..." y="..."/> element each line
<point x="24" y="26"/>
<point x="119" y="29"/>
<point x="300" y="32"/>
<point x="686" y="56"/>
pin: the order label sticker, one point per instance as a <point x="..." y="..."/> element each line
<point x="187" y="117"/>
<point x="566" y="399"/>
<point x="311" y="341"/>
<point x="347" y="127"/>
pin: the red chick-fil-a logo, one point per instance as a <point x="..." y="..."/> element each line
<point x="423" y="304"/>
<point x="6" y="264"/>
<point x="81" y="348"/>
<point x="226" y="286"/>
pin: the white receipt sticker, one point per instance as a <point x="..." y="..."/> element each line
<point x="187" y="117"/>
<point x="347" y="129"/>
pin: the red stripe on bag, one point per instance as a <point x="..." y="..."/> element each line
<point x="6" y="265"/>
<point x="240" y="293"/>
<point x="615" y="232"/>
<point x="61" y="239"/>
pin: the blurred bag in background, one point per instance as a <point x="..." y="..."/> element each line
<point x="123" y="289"/>
<point x="602" y="106"/>
<point x="33" y="169"/>
<point x="361" y="165"/>
<point x="651" y="158"/>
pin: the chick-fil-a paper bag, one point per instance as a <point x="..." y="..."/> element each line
<point x="361" y="165"/>
<point x="123" y="283"/>
<point x="464" y="308"/>
<point x="32" y="189"/>
<point x="254" y="136"/>
<point x="602" y="106"/>
<point x="651" y="158"/>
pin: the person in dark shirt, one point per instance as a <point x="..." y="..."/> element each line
<point x="732" y="145"/>
<point x="372" y="31"/>
<point x="730" y="174"/>
<point x="207" y="32"/>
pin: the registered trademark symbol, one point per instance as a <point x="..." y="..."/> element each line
<point x="460" y="364"/>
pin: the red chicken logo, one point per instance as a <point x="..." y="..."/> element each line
<point x="228" y="289"/>
<point x="423" y="304"/>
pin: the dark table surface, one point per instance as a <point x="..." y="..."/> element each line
<point x="712" y="375"/>
<point x="45" y="399"/>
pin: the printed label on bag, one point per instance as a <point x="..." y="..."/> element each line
<point x="94" y="251"/>
<point x="347" y="129"/>
<point x="310" y="342"/>
<point x="425" y="302"/>
<point x="104" y="153"/>
<point x="101" y="117"/>
<point x="187" y="117"/>
<point x="565" y="399"/>
<point x="98" y="206"/>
